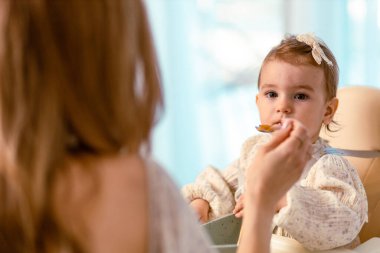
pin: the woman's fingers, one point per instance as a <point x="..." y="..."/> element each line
<point x="279" y="136"/>
<point x="297" y="149"/>
<point x="305" y="145"/>
<point x="298" y="140"/>
<point x="299" y="134"/>
<point x="292" y="132"/>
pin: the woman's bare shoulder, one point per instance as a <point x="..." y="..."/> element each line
<point x="105" y="200"/>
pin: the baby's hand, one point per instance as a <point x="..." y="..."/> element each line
<point x="238" y="210"/>
<point x="201" y="208"/>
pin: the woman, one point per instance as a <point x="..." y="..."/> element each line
<point x="79" y="95"/>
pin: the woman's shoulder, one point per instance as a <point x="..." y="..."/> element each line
<point x="133" y="202"/>
<point x="164" y="194"/>
<point x="169" y="212"/>
<point x="98" y="193"/>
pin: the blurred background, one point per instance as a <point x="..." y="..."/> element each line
<point x="210" y="53"/>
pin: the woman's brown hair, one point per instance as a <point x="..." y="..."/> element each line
<point x="294" y="52"/>
<point x="75" y="77"/>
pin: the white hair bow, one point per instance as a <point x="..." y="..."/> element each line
<point x="317" y="52"/>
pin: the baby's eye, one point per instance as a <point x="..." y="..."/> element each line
<point x="301" y="96"/>
<point x="271" y="94"/>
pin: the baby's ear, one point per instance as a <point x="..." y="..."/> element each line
<point x="331" y="108"/>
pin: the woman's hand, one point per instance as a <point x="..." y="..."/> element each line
<point x="201" y="208"/>
<point x="275" y="168"/>
<point x="279" y="163"/>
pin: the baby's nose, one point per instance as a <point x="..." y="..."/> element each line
<point x="284" y="106"/>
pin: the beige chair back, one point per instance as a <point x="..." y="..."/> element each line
<point x="358" y="115"/>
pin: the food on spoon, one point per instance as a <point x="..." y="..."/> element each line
<point x="265" y="128"/>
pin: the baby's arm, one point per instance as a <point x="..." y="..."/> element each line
<point x="328" y="208"/>
<point x="215" y="187"/>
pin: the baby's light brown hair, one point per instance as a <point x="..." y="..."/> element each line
<point x="295" y="52"/>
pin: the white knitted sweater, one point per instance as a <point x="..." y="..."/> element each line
<point x="326" y="208"/>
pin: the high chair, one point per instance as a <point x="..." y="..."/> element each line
<point x="358" y="116"/>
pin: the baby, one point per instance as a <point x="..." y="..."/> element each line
<point x="328" y="206"/>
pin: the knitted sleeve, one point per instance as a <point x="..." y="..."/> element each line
<point x="216" y="187"/>
<point x="328" y="208"/>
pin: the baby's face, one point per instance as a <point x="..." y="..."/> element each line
<point x="290" y="91"/>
